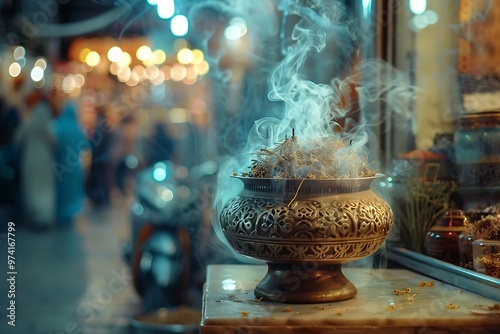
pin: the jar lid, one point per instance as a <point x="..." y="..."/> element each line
<point x="490" y="118"/>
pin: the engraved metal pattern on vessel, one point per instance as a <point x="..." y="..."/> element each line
<point x="330" y="229"/>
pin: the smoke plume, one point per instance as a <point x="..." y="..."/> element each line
<point x="298" y="67"/>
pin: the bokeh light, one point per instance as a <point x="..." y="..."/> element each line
<point x="79" y="80"/>
<point x="19" y="52"/>
<point x="143" y="52"/>
<point x="237" y="28"/>
<point x="165" y="8"/>
<point x="115" y="54"/>
<point x="83" y="54"/>
<point x="126" y="59"/>
<point x="93" y="58"/>
<point x="124" y="74"/>
<point x="185" y="56"/>
<point x="203" y="67"/>
<point x="37" y="74"/>
<point x="178" y="72"/>
<point x="197" y="56"/>
<point x="418" y="6"/>
<point x="42" y="63"/>
<point x="14" y="69"/>
<point x="159" y="79"/>
<point x="179" y="25"/>
<point x="68" y="83"/>
<point x="113" y="68"/>
<point x="167" y="70"/>
<point x="139" y="72"/>
<point x="159" y="56"/>
<point x="152" y="72"/>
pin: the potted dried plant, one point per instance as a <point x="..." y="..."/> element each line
<point x="418" y="204"/>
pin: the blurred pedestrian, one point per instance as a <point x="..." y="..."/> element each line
<point x="98" y="182"/>
<point x="127" y="161"/>
<point x="162" y="145"/>
<point x="37" y="144"/>
<point x="67" y="165"/>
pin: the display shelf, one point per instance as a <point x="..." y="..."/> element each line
<point x="466" y="279"/>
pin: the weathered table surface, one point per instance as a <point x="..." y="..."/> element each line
<point x="230" y="306"/>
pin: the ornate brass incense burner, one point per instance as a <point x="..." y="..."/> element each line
<point x="305" y="229"/>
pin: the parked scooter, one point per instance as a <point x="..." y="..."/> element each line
<point x="171" y="233"/>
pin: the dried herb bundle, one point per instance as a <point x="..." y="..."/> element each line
<point x="418" y="204"/>
<point x="325" y="158"/>
<point x="488" y="227"/>
<point x="491" y="264"/>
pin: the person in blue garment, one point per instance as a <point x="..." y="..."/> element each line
<point x="67" y="165"/>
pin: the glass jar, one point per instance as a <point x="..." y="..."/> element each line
<point x="467" y="143"/>
<point x="465" y="240"/>
<point x="477" y="149"/>
<point x="486" y="255"/>
<point x="442" y="238"/>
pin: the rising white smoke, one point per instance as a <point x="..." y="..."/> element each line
<point x="305" y="53"/>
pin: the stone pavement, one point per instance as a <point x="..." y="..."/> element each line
<point x="71" y="280"/>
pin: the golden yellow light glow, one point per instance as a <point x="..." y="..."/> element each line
<point x="185" y="56"/>
<point x="93" y="59"/>
<point x="143" y="52"/>
<point x="83" y="54"/>
<point x="115" y="54"/>
<point x="197" y="56"/>
<point x="150" y="61"/>
<point x="159" y="56"/>
<point x="126" y="59"/>
<point x="203" y="68"/>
